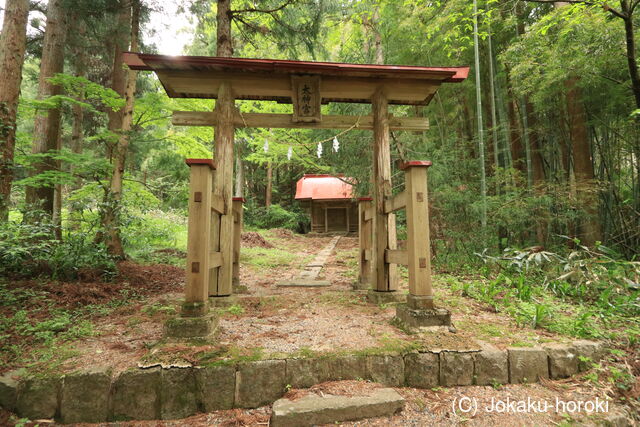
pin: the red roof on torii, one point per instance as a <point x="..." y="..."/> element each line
<point x="269" y="79"/>
<point x="323" y="187"/>
<point x="151" y="62"/>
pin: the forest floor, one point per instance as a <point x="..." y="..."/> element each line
<point x="52" y="326"/>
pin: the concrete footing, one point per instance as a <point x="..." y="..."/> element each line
<point x="380" y="297"/>
<point x="419" y="318"/>
<point x="420" y="302"/>
<point x="202" y="327"/>
<point x="360" y="286"/>
<point x="240" y="289"/>
<point x="224" y="301"/>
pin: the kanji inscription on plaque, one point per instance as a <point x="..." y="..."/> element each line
<point x="306" y="98"/>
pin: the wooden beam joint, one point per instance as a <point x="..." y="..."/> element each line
<point x="215" y="259"/>
<point x="218" y="204"/>
<point x="395" y="203"/>
<point x="396" y="256"/>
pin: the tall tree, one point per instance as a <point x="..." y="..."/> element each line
<point x="77" y="132"/>
<point x="12" y="49"/>
<point x="590" y="228"/>
<point x="483" y="174"/>
<point x="224" y="44"/>
<point x="46" y="133"/>
<point x="269" y="187"/>
<point x="120" y="122"/>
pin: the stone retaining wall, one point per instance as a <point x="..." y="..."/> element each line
<point x="157" y="393"/>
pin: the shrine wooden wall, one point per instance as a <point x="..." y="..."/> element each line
<point x="333" y="216"/>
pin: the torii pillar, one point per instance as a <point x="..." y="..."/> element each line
<point x="384" y="276"/>
<point x="220" y="282"/>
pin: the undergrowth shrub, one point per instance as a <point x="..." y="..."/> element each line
<point x="30" y="250"/>
<point x="144" y="232"/>
<point x="275" y="217"/>
<point x="584" y="292"/>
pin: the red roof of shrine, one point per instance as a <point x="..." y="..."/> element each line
<point x="323" y="187"/>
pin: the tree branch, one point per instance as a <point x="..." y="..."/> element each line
<point x="248" y="24"/>
<point x="588" y="3"/>
<point x="614" y="12"/>
<point x="256" y="10"/>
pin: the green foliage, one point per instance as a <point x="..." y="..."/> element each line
<point x="597" y="276"/>
<point x="63" y="325"/>
<point x="28" y="250"/>
<point x="235" y="309"/>
<point x="84" y="165"/>
<point x="158" y="307"/>
<point x="274" y="217"/>
<point x="534" y="315"/>
<point x="588" y="293"/>
<point x="79" y="91"/>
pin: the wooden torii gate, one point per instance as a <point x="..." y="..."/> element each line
<point x="306" y="85"/>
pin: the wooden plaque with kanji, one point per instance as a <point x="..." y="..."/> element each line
<point x="306" y="98"/>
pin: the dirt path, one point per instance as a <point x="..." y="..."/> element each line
<point x="271" y="322"/>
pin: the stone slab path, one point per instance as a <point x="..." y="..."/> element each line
<point x="314" y="409"/>
<point x="307" y="278"/>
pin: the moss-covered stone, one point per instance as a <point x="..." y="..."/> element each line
<point x="136" y="395"/>
<point x="491" y="366"/>
<point x="386" y="369"/>
<point x="314" y="410"/>
<point x="422" y="370"/>
<point x="378" y="297"/>
<point x="346" y="367"/>
<point x="178" y="393"/>
<point x="38" y="397"/>
<point x="85" y="397"/>
<point x="239" y="289"/>
<point x="414" y="318"/>
<point x="216" y="387"/>
<point x="223" y="301"/>
<point x="304" y="373"/>
<point x="194" y="309"/>
<point x="9" y="390"/>
<point x="259" y="383"/>
<point x="527" y="365"/>
<point x="456" y="368"/>
<point x="563" y="360"/>
<point x="589" y="352"/>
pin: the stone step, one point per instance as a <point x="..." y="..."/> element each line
<point x="304" y="283"/>
<point x="313" y="409"/>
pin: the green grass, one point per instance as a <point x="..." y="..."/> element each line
<point x="271" y="258"/>
<point x="231" y="355"/>
<point x="529" y="300"/>
<point x="344" y="299"/>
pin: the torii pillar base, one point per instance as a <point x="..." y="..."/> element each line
<point x="194" y="322"/>
<point x="385" y="297"/>
<point x="422" y="317"/>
